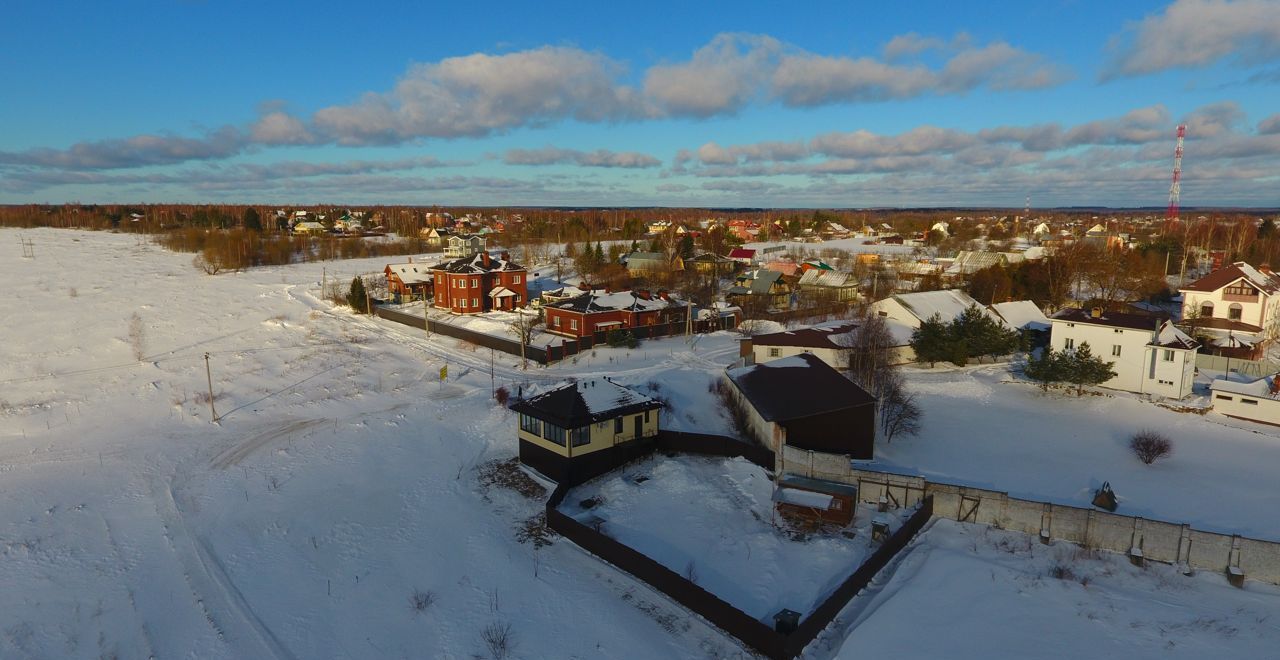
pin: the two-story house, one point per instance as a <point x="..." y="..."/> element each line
<point x="1148" y="354"/>
<point x="480" y="283"/>
<point x="595" y="313"/>
<point x="458" y="246"/>
<point x="1235" y="309"/>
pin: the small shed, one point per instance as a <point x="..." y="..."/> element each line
<point x="815" y="500"/>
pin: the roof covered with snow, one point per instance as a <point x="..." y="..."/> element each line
<point x="827" y="278"/>
<point x="411" y="273"/>
<point x="947" y="304"/>
<point x="602" y="301"/>
<point x="834" y="336"/>
<point x="591" y="400"/>
<point x="1021" y="314"/>
<point x="1261" y="387"/>
<point x="481" y="262"/>
<point x="1222" y="277"/>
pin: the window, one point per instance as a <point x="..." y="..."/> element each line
<point x="515" y="279"/>
<point x="1117" y="331"/>
<point x="555" y="321"/>
<point x="1224" y="397"/>
<point x="579" y="437"/>
<point x="1115" y="350"/>
<point x="462" y="302"/>
<point x="1206" y="310"/>
<point x="554" y="434"/>
<point x="573" y="324"/>
<point x="775" y="352"/>
<point x="475" y="302"/>
<point x="475" y="283"/>
<point x="1235" y="311"/>
<point x="646" y="417"/>
<point x="1070" y="344"/>
<point x="1167" y="356"/>
<point x="617" y="425"/>
<point x="1240" y="290"/>
<point x="1252" y="402"/>
<point x="530" y="425"/>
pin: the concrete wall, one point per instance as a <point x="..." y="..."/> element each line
<point x="1154" y="540"/>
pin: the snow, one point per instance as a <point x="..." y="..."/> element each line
<point x="716" y="515"/>
<point x="948" y="304"/>
<point x="967" y="592"/>
<point x="1260" y="387"/>
<point x="601" y="395"/>
<point x="1020" y="314"/>
<point x="854" y="245"/>
<point x="804" y="498"/>
<point x="343" y="476"/>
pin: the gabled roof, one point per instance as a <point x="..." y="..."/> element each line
<point x="742" y="253"/>
<point x="762" y="280"/>
<point x="797" y="387"/>
<point x="475" y="264"/>
<point x="1021" y="314"/>
<point x="411" y="273"/>
<point x="1108" y="319"/>
<point x="828" y="278"/>
<point x="948" y="304"/>
<point x="1222" y="277"/>
<point x="1171" y="337"/>
<point x="1261" y="387"/>
<point x="588" y="401"/>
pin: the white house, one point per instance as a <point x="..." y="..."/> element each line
<point x="461" y="246"/>
<point x="913" y="309"/>
<point x="1149" y="355"/>
<point x="1257" y="400"/>
<point x="1235" y="305"/>
<point x="828" y="342"/>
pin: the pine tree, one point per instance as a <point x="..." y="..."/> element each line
<point x="983" y="335"/>
<point x="599" y="255"/>
<point x="932" y="341"/>
<point x="356" y="296"/>
<point x="1082" y="368"/>
<point x="1046" y="369"/>
<point x="252" y="221"/>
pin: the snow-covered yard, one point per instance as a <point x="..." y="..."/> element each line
<point x="712" y="520"/>
<point x="343" y="477"/>
<point x="969" y="592"/>
<point x="981" y="430"/>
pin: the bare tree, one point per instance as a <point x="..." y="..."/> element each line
<point x="1149" y="446"/>
<point x="523" y="326"/>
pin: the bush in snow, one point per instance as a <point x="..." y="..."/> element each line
<point x="498" y="640"/>
<point x="501" y="395"/>
<point x="1150" y="446"/>
<point x="421" y="601"/>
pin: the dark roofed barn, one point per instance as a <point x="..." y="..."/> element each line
<point x="802" y="402"/>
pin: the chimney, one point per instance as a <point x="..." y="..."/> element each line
<point x="484" y="259"/>
<point x="1096" y="312"/>
<point x="506" y="256"/>
<point x="662" y="293"/>
<point x="1266" y="270"/>
<point x="410" y="259"/>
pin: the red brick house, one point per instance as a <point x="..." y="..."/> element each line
<point x="480" y="283"/>
<point x="595" y="313"/>
<point x="408" y="279"/>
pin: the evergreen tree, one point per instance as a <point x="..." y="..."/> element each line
<point x="686" y="247"/>
<point x="1082" y="367"/>
<point x="599" y="255"/>
<point x="1046" y="369"/>
<point x="983" y="335"/>
<point x="932" y="341"/>
<point x="252" y="221"/>
<point x="570" y="250"/>
<point x="356" y="296"/>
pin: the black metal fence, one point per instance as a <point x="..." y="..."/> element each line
<point x="750" y="631"/>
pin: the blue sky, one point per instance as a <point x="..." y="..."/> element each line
<point x="840" y="104"/>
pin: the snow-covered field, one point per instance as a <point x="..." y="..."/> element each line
<point x="967" y="592"/>
<point x="713" y="519"/>
<point x="343" y="476"/>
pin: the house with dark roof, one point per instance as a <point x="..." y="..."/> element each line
<point x="760" y="284"/>
<point x="1149" y="354"/>
<point x="480" y="283"/>
<point x="1235" y="309"/>
<point x="580" y="426"/>
<point x="595" y="313"/>
<point x="711" y="264"/>
<point x="802" y="402"/>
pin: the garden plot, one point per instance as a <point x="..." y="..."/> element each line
<point x="712" y="521"/>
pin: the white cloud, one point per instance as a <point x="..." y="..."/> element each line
<point x="136" y="151"/>
<point x="1270" y="125"/>
<point x="910" y="44"/>
<point x="720" y="78"/>
<point x="599" y="158"/>
<point x="1196" y="33"/>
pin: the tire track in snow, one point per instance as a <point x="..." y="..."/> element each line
<point x="222" y="603"/>
<point x="239" y="452"/>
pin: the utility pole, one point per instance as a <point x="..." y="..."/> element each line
<point x="368" y="304"/>
<point x="426" y="323"/>
<point x="208" y="374"/>
<point x="324" y="282"/>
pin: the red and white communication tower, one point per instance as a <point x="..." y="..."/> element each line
<point x="1176" y="187"/>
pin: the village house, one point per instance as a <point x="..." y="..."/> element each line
<point x="913" y="309"/>
<point x="1255" y="400"/>
<point x="595" y="313"/>
<point x="458" y="246"/>
<point x="584" y="425"/>
<point x="744" y="256"/>
<point x="1235" y="309"/>
<point x="768" y="287"/>
<point x="642" y="263"/>
<point x="712" y="264"/>
<point x="802" y="402"/>
<point x="436" y="238"/>
<point x="408" y="280"/>
<point x="309" y="228"/>
<point x="829" y="285"/>
<point x="479" y="283"/>
<point x="1025" y="317"/>
<point x="830" y="342"/>
<point x="1149" y="355"/>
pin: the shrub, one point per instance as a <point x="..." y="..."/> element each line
<point x="421" y="600"/>
<point x="498" y="640"/>
<point x="1150" y="446"/>
<point x="501" y="395"/>
<point x="622" y="339"/>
